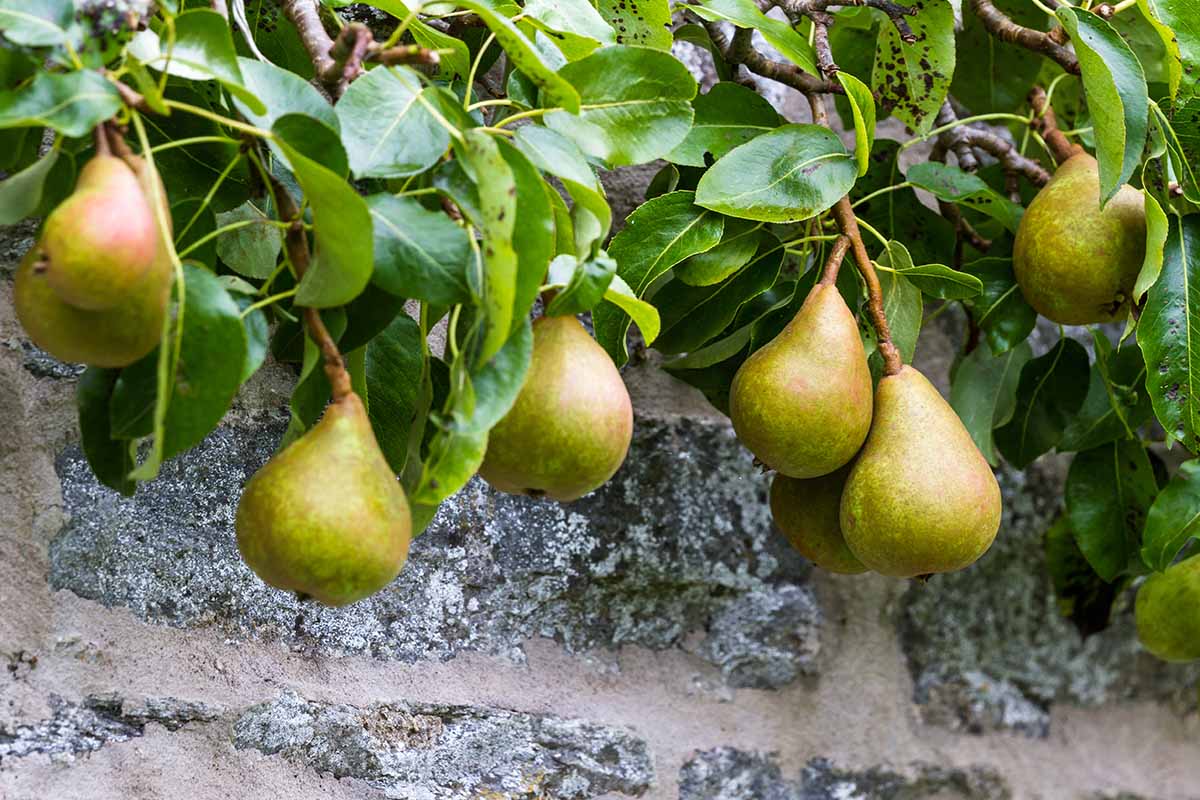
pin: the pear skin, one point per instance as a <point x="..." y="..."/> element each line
<point x="570" y="427"/>
<point x="100" y="242"/>
<point x="802" y="403"/>
<point x="920" y="498"/>
<point x="1075" y="263"/>
<point x="1167" y="612"/>
<point x="326" y="517"/>
<point x="807" y="511"/>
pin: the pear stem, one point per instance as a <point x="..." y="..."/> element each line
<point x="833" y="264"/>
<point x="296" y="242"/>
<point x="1045" y="123"/>
<point x="892" y="362"/>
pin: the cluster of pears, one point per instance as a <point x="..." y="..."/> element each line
<point x="94" y="288"/>
<point x="1076" y="263"/>
<point x="1167" y="612"/>
<point x="889" y="481"/>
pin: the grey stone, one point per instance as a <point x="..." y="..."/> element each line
<point x="679" y="541"/>
<point x="726" y="773"/>
<point x="420" y="751"/>
<point x="86" y="726"/>
<point x="975" y="636"/>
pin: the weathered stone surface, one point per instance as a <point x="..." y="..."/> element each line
<point x="987" y="647"/>
<point x="440" y="752"/>
<point x="82" y="727"/>
<point x="726" y="773"/>
<point x="679" y="541"/>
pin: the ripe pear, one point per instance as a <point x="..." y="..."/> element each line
<point x="326" y="517"/>
<point x="1075" y="263"/>
<point x="807" y="511"/>
<point x="802" y="403"/>
<point x="571" y="424"/>
<point x="1168" y="612"/>
<point x="100" y="242"/>
<point x="920" y="497"/>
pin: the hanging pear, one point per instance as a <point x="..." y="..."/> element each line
<point x="920" y="498"/>
<point x="1075" y="262"/>
<point x="100" y="242"/>
<point x="326" y="517"/>
<point x="807" y="511"/>
<point x="802" y="403"/>
<point x="571" y="424"/>
<point x="1167" y="612"/>
<point x="115" y="337"/>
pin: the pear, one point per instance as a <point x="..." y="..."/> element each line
<point x="802" y="403"/>
<point x="1167" y="612"/>
<point x="326" y="517"/>
<point x="1075" y="263"/>
<point x="571" y="424"/>
<point x="100" y="242"/>
<point x="920" y="498"/>
<point x="115" y="337"/>
<point x="807" y="511"/>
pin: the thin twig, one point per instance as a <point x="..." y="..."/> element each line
<point x="998" y="24"/>
<point x="833" y="264"/>
<point x="306" y="17"/>
<point x="221" y="7"/>
<point x="1045" y="123"/>
<point x="821" y="46"/>
<point x="892" y="362"/>
<point x="895" y="12"/>
<point x="740" y="50"/>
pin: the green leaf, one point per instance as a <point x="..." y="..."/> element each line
<point x="777" y="33"/>
<point x="911" y="80"/>
<point x="926" y="234"/>
<point x="533" y="231"/>
<point x="635" y="104"/>
<point x="1051" y="390"/>
<point x="524" y="55"/>
<point x="394" y="361"/>
<point x="498" y="382"/>
<point x="936" y="280"/>
<point x="387" y="130"/>
<point x="692" y="315"/>
<point x="20" y="194"/>
<point x="1174" y="518"/>
<point x="1080" y="594"/>
<point x="1109" y="491"/>
<point x="738" y="245"/>
<point x="953" y="185"/>
<point x="644" y="22"/>
<point x="658" y="235"/>
<point x="1169" y="334"/>
<point x="1116" y="93"/>
<point x="903" y="307"/>
<point x="36" y="23"/>
<point x="498" y="212"/>
<point x="111" y="460"/>
<point x="419" y="254"/>
<point x="575" y="25"/>
<point x="862" y="106"/>
<point x="344" y="254"/>
<point x="728" y="115"/>
<point x="455" y="56"/>
<point x="581" y="284"/>
<point x="203" y="50"/>
<point x="1156" y="240"/>
<point x="557" y="155"/>
<point x="644" y="315"/>
<point x="1116" y="403"/>
<point x="71" y="103"/>
<point x="983" y="392"/>
<point x="791" y="174"/>
<point x="1000" y="73"/>
<point x="1000" y="311"/>
<point x="252" y="251"/>
<point x="1177" y="23"/>
<point x="281" y="92"/>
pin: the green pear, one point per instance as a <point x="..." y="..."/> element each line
<point x="1168" y="612"/>
<point x="920" y="497"/>
<point x="100" y="242"/>
<point x="807" y="511"/>
<point x="1075" y="263"/>
<point x="571" y="424"/>
<point x="802" y="402"/>
<point x="115" y="337"/>
<point x="326" y="517"/>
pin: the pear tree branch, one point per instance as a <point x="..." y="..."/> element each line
<point x="1045" y="123"/>
<point x="892" y="362"/>
<point x="998" y="24"/>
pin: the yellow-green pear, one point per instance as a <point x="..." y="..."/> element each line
<point x="920" y="497"/>
<point x="99" y="243"/>
<point x="1075" y="263"/>
<point x="1168" y="612"/>
<point x="802" y="402"/>
<point x="807" y="511"/>
<point x="571" y="424"/>
<point x="326" y="517"/>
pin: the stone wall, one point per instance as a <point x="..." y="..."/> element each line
<point x="656" y="639"/>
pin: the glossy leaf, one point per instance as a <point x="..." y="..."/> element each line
<point x="911" y="80"/>
<point x="1001" y="311"/>
<point x="203" y="50"/>
<point x="983" y="392"/>
<point x="999" y="73"/>
<point x="1156" y="239"/>
<point x="726" y="116"/>
<point x="953" y="185"/>
<point x="21" y="193"/>
<point x="1176" y="22"/>
<point x="1109" y="491"/>
<point x="646" y="22"/>
<point x="1174" y="518"/>
<point x="419" y="254"/>
<point x="575" y="25"/>
<point x="1051" y="389"/>
<point x="580" y="285"/>
<point x="903" y="307"/>
<point x="251" y="251"/>
<point x="533" y="231"/>
<point x="738" y="245"/>
<point x="387" y="130"/>
<point x="110" y="459"/>
<point x="1116" y="404"/>
<point x="36" y="23"/>
<point x="71" y="103"/>
<point x="779" y="34"/>
<point x="394" y="360"/>
<point x="1081" y="595"/>
<point x="281" y="92"/>
<point x="862" y="106"/>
